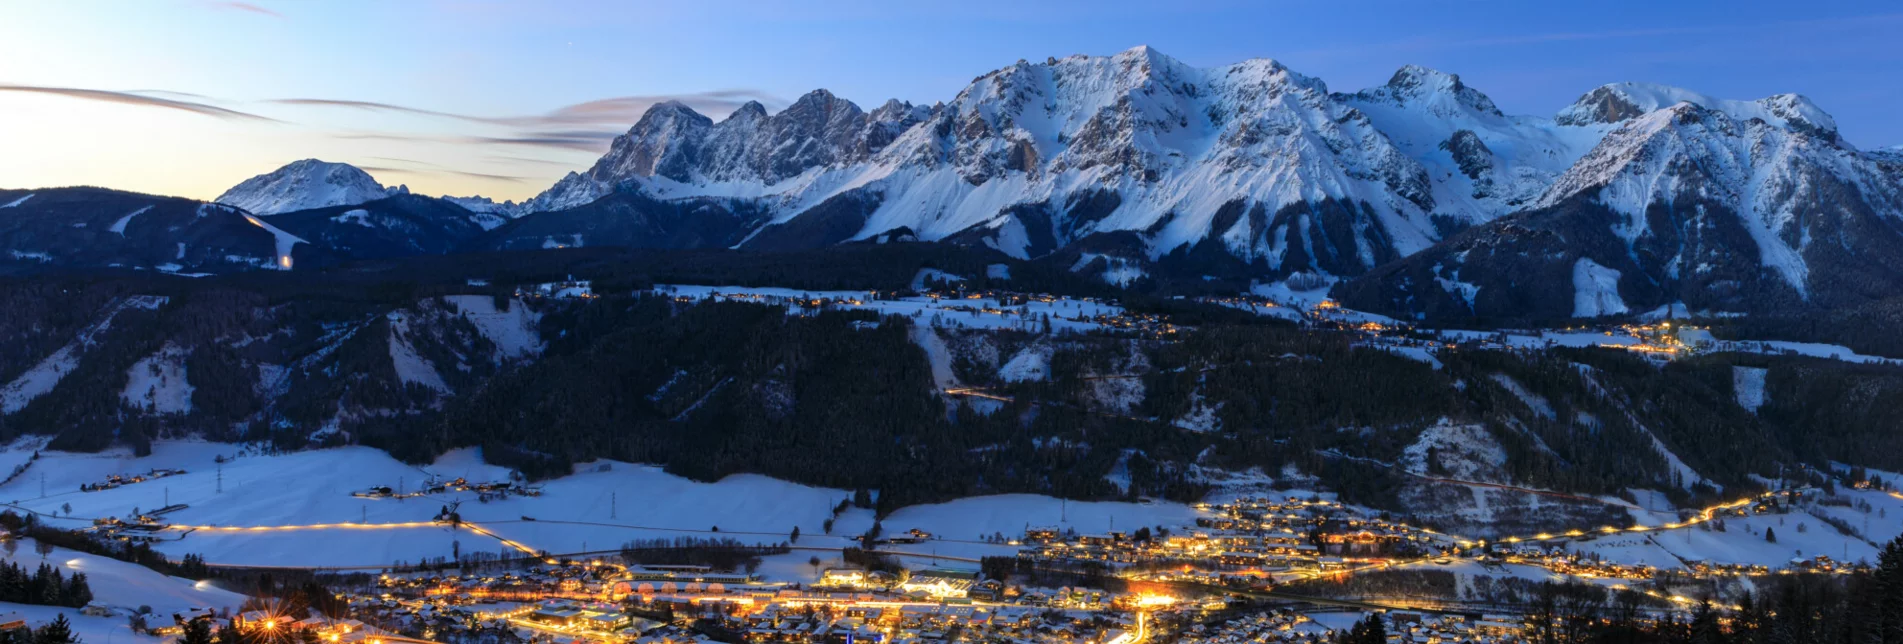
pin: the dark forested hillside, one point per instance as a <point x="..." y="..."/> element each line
<point x="421" y="356"/>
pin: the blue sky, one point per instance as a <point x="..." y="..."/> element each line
<point x="500" y="98"/>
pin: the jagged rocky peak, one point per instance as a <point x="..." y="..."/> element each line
<point x="886" y="122"/>
<point x="750" y="111"/>
<point x="1469" y="152"/>
<point x="1431" y="89"/>
<point x="1619" y="102"/>
<point x="304" y="184"/>
<point x="817" y="130"/>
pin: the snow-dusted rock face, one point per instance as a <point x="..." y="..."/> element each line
<point x="1620" y="102"/>
<point x="672" y="142"/>
<point x="1723" y="205"/>
<point x="1784" y="183"/>
<point x="306" y="184"/>
<point x="498" y="212"/>
<point x="1483" y="163"/>
<point x="1260" y="162"/>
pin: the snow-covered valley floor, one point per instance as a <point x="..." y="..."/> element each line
<point x="600" y="507"/>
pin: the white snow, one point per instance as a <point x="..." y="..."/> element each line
<point x="1766" y="171"/>
<point x="1595" y="290"/>
<point x="1066" y="314"/>
<point x="1302" y="296"/>
<point x="1465" y="291"/>
<point x="1031" y="363"/>
<point x="1201" y="417"/>
<point x="936" y="352"/>
<point x="998" y="271"/>
<point x="157" y="382"/>
<point x="356" y="216"/>
<point x="1533" y="401"/>
<point x="1748" y="384"/>
<point x="119" y="226"/>
<point x="127" y="586"/>
<point x="1811" y="349"/>
<point x="87" y="629"/>
<point x="284" y="241"/>
<point x="1411" y="352"/>
<point x="411" y="367"/>
<point x="599" y="507"/>
<point x="1177" y="143"/>
<point x="919" y="281"/>
<point x="1420" y="109"/>
<point x="1468" y="452"/>
<point x="17" y="202"/>
<point x="1011" y="513"/>
<point x="513" y="332"/>
<point x="1117" y="271"/>
<point x="1782" y="110"/>
<point x="306" y="184"/>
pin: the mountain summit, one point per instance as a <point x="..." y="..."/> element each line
<point x="306" y="184"/>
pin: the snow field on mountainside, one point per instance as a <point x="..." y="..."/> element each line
<point x="1748" y="385"/>
<point x="119" y="226"/>
<point x="512" y="331"/>
<point x="158" y="382"/>
<point x="1031" y="363"/>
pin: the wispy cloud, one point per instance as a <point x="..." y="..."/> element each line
<point x="142" y="100"/>
<point x="593" y="142"/>
<point x="246" y="7"/>
<point x="621" y="111"/>
<point x="529" y="160"/>
<point x="463" y="173"/>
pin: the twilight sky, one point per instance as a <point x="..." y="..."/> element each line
<point x="187" y="97"/>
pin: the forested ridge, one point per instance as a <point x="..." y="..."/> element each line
<point x="846" y="398"/>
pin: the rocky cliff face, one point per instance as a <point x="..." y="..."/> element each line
<point x="1037" y="156"/>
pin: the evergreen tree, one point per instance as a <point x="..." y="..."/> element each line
<point x="197" y="631"/>
<point x="1889" y="592"/>
<point x="58" y="631"/>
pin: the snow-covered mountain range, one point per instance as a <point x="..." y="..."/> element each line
<point x="1037" y="156"/>
<point x="1418" y="197"/>
<point x="1255" y="170"/>
<point x="1715" y="205"/>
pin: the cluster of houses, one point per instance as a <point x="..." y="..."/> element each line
<point x="139" y="527"/>
<point x="1254" y="538"/>
<point x="122" y="480"/>
<point x="1281" y="625"/>
<point x="264" y="624"/>
<point x="485" y="491"/>
<point x="1010" y="306"/>
<point x="921" y="623"/>
<point x="570" y="288"/>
